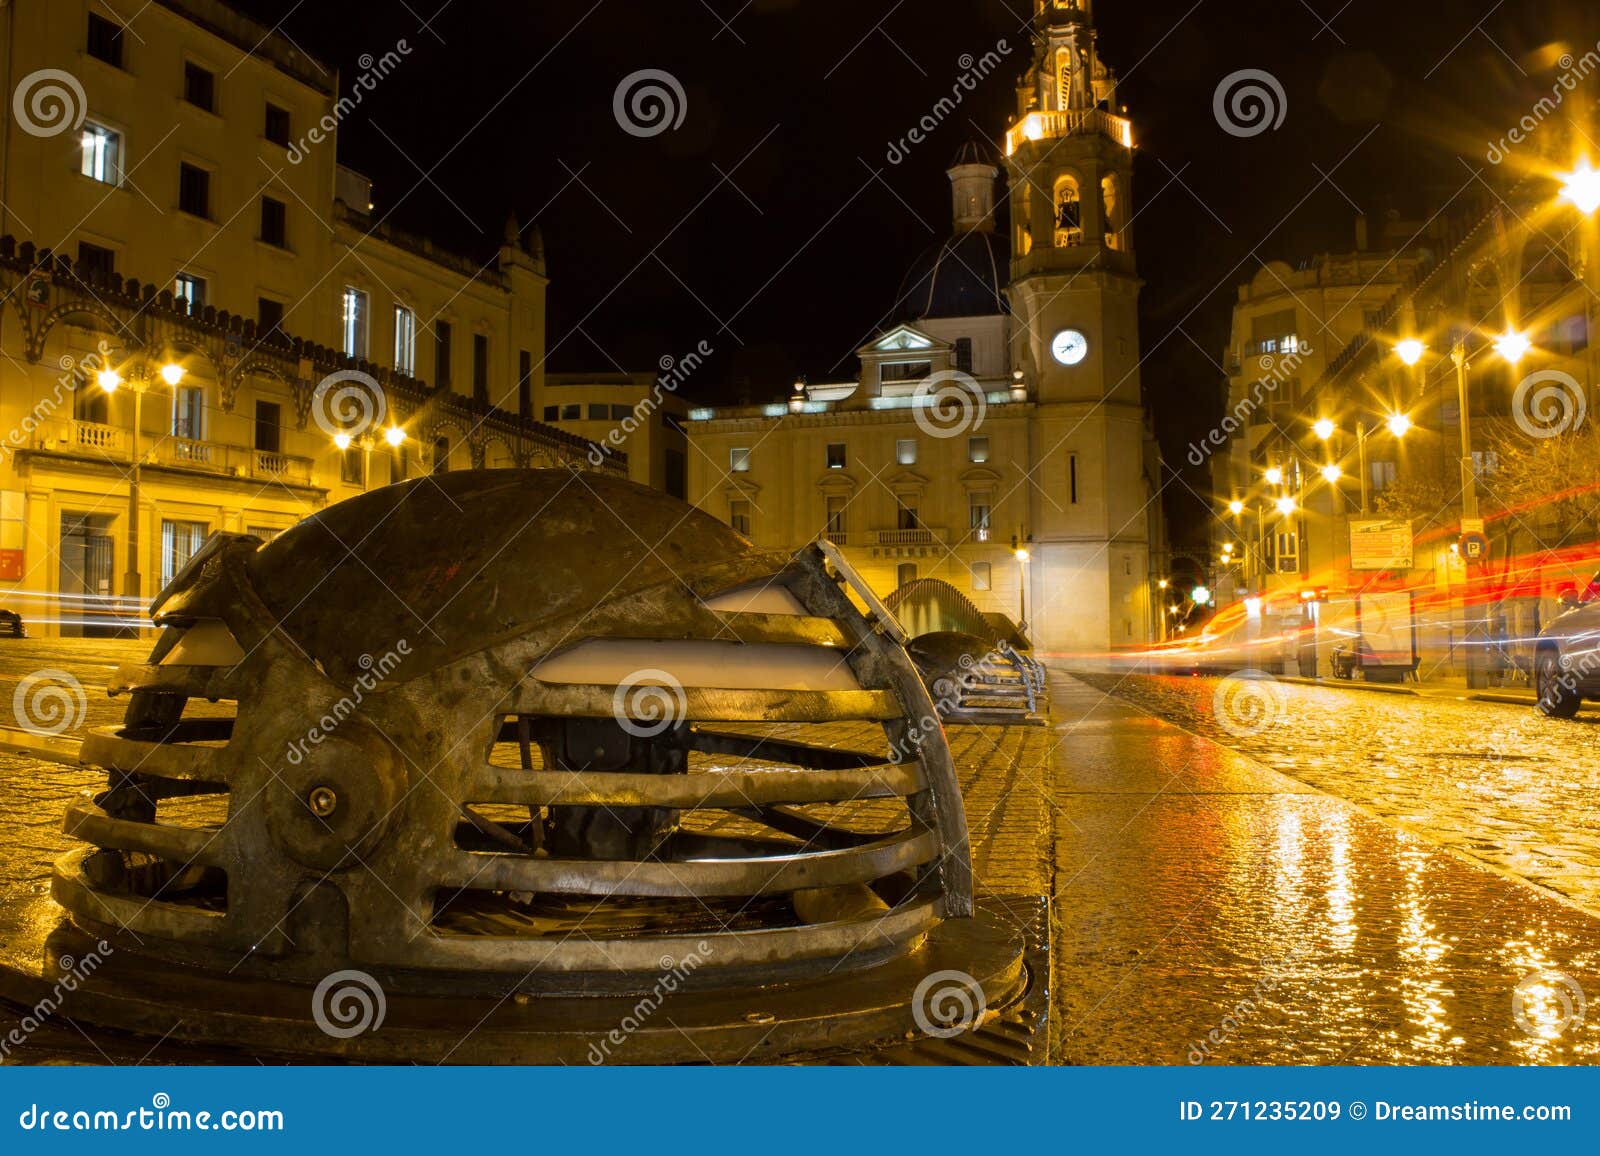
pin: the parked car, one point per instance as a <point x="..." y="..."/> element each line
<point x="1566" y="662"/>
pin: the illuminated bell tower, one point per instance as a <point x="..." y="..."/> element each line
<point x="1074" y="296"/>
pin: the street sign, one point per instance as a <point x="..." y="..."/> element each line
<point x="1380" y="545"/>
<point x="1474" y="546"/>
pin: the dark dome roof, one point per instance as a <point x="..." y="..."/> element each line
<point x="974" y="152"/>
<point x="962" y="277"/>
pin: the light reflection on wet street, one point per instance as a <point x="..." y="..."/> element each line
<point x="1213" y="910"/>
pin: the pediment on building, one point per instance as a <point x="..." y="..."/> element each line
<point x="980" y="477"/>
<point x="902" y="339"/>
<point x="740" y="490"/>
<point x="907" y="482"/>
<point x="836" y="482"/>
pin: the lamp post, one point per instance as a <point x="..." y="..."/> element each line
<point x="1020" y="552"/>
<point x="110" y="381"/>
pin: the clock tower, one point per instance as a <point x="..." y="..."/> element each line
<point x="1074" y="300"/>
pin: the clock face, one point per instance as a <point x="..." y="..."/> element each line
<point x="1069" y="347"/>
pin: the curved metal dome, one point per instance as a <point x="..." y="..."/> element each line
<point x="963" y="276"/>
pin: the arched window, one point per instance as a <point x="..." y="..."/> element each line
<point x="1022" y="211"/>
<point x="1068" y="211"/>
<point x="1111" y="211"/>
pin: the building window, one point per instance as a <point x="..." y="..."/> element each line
<point x="480" y="367"/>
<point x="905" y="451"/>
<point x="194" y="190"/>
<point x="276" y="128"/>
<point x="905" y="517"/>
<point x="739" y="516"/>
<point x="621" y="412"/>
<point x="405" y="341"/>
<point x="189" y="412"/>
<point x="524" y="385"/>
<point x="739" y="461"/>
<point x="978" y="449"/>
<point x="964" y="354"/>
<point x="199" y="86"/>
<point x="350" y="462"/>
<point x="905" y="573"/>
<point x="441" y="354"/>
<point x="269" y="438"/>
<point x="836" y="455"/>
<point x="982" y="578"/>
<point x="105" y="40"/>
<point x="1383" y="474"/>
<point x="269" y="315"/>
<point x="102" y="154"/>
<point x="1283" y="548"/>
<point x="1072" y="478"/>
<point x="836" y="527"/>
<point x="571" y="412"/>
<point x="275" y="222"/>
<point x="1484" y="462"/>
<point x="179" y="541"/>
<point x="599" y="411"/>
<point x="441" y="454"/>
<point x="265" y="533"/>
<point x="978" y="516"/>
<point x="675" y="473"/>
<point x="552" y="413"/>
<point x="189" y="292"/>
<point x="354" y="321"/>
<point x="905" y="370"/>
<point x="95" y="260"/>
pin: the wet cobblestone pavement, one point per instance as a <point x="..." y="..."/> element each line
<point x="1280" y="898"/>
<point x="1499" y="784"/>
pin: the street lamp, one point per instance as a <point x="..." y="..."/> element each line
<point x="1021" y="553"/>
<point x="1285" y="505"/>
<point x="1236" y="507"/>
<point x="1512" y="345"/>
<point x="110" y="381"/>
<point x="1331" y="473"/>
<point x="1274" y="476"/>
<point x="1581" y="188"/>
<point x="1410" y="350"/>
<point x="1399" y="424"/>
<point x="1323" y="428"/>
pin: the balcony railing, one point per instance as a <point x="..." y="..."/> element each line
<point x="918" y="537"/>
<point x="90" y="437"/>
<point x="1069" y="122"/>
<point x="280" y="467"/>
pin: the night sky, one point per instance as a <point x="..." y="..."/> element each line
<point x="771" y="223"/>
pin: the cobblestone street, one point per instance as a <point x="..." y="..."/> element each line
<point x="1265" y="899"/>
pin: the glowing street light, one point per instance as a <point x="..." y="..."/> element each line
<point x="394" y="435"/>
<point x="1285" y="505"/>
<point x="1200" y="595"/>
<point x="1162" y="584"/>
<point x="341" y="440"/>
<point x="1274" y="476"/>
<point x="1512" y="345"/>
<point x="1399" y="424"/>
<point x="1331" y="473"/>
<point x="1410" y="350"/>
<point x="1323" y="428"/>
<point x="1581" y="187"/>
<point x="1235" y="508"/>
<point x="108" y="380"/>
<point x="172" y="373"/>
